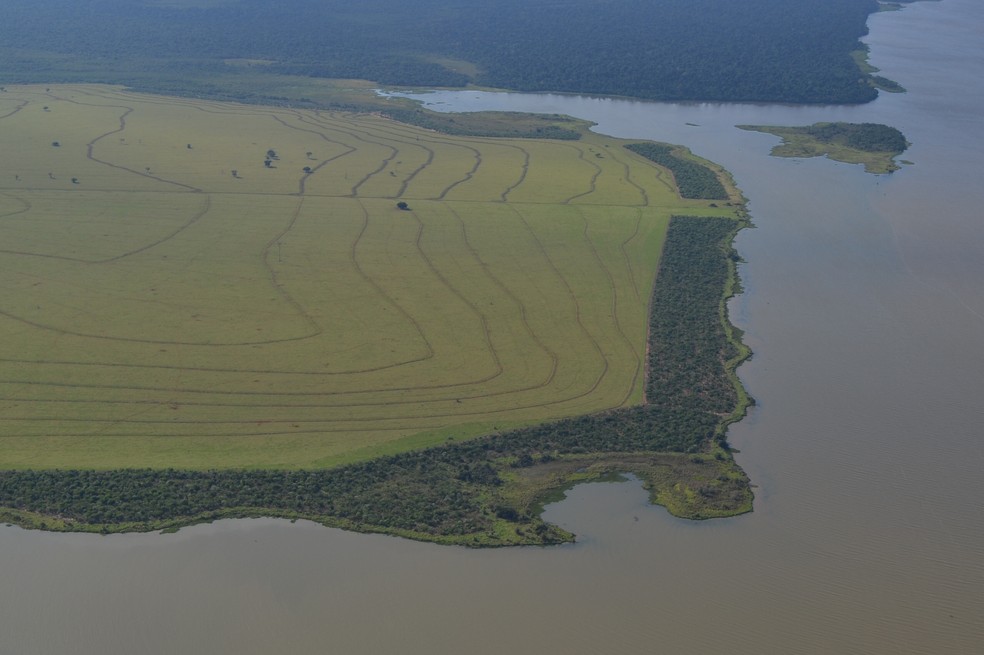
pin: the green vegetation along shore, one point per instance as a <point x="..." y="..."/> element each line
<point x="218" y="309"/>
<point x="486" y="491"/>
<point x="871" y="144"/>
<point x="694" y="179"/>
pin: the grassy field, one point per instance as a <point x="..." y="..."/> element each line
<point x="196" y="284"/>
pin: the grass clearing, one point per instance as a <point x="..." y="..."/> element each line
<point x="173" y="300"/>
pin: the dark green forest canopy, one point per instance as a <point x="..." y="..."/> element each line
<point x="694" y="180"/>
<point x="758" y="50"/>
<point x="869" y="137"/>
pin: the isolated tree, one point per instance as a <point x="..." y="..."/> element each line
<point x="235" y="173"/>
<point x="307" y="169"/>
<point x="272" y="154"/>
<point x="402" y="205"/>
<point x="55" y="144"/>
<point x="75" y="180"/>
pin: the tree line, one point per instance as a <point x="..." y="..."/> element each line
<point x="694" y="180"/>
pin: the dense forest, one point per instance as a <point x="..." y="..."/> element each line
<point x="453" y="490"/>
<point x="754" y="50"/>
<point x="694" y="180"/>
<point x="869" y="137"/>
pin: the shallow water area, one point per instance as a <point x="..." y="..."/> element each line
<point x="864" y="307"/>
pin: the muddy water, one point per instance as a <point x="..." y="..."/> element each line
<point x="864" y="304"/>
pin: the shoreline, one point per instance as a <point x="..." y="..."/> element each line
<point x="499" y="479"/>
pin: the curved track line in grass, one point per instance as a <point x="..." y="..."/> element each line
<point x="409" y="178"/>
<point x="571" y="294"/>
<point x="226" y="392"/>
<point x="354" y="258"/>
<point x="483" y="320"/>
<point x="27" y="206"/>
<point x="554" y="359"/>
<point x="252" y="405"/>
<point x="628" y="178"/>
<point x="229" y="108"/>
<point x="488" y="338"/>
<point x="331" y="124"/>
<point x="379" y="169"/>
<point x="478" y="162"/>
<point x="316" y="394"/>
<point x="327" y="420"/>
<point x="204" y="369"/>
<point x="334" y="119"/>
<point x="278" y="287"/>
<point x="354" y="192"/>
<point x="628" y="260"/>
<point x="217" y="108"/>
<point x="23" y="104"/>
<point x="405" y="418"/>
<point x="255" y="406"/>
<point x="315" y="328"/>
<point x="206" y="206"/>
<point x="366" y="139"/>
<point x="456" y="141"/>
<point x="522" y="174"/>
<point x="594" y="178"/>
<point x="163" y="342"/>
<point x="274" y="406"/>
<point x="219" y="435"/>
<point x="263" y="394"/>
<point x="614" y="309"/>
<point x="661" y="173"/>
<point x="91" y="144"/>
<point x="28" y="253"/>
<point x="194" y="219"/>
<point x="303" y="181"/>
<point x="402" y="138"/>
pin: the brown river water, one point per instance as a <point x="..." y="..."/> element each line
<point x="864" y="304"/>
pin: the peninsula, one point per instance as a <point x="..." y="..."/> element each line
<point x="238" y="310"/>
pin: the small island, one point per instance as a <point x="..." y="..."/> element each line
<point x="871" y="144"/>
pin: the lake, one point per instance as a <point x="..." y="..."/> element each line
<point x="864" y="305"/>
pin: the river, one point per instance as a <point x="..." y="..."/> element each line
<point x="864" y="305"/>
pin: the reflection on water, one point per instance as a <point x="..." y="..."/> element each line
<point x="865" y="308"/>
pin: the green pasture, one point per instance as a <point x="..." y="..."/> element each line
<point x="175" y="297"/>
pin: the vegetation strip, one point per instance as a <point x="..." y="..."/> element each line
<point x="486" y="491"/>
<point x="693" y="179"/>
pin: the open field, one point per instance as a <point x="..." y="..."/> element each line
<point x="175" y="297"/>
